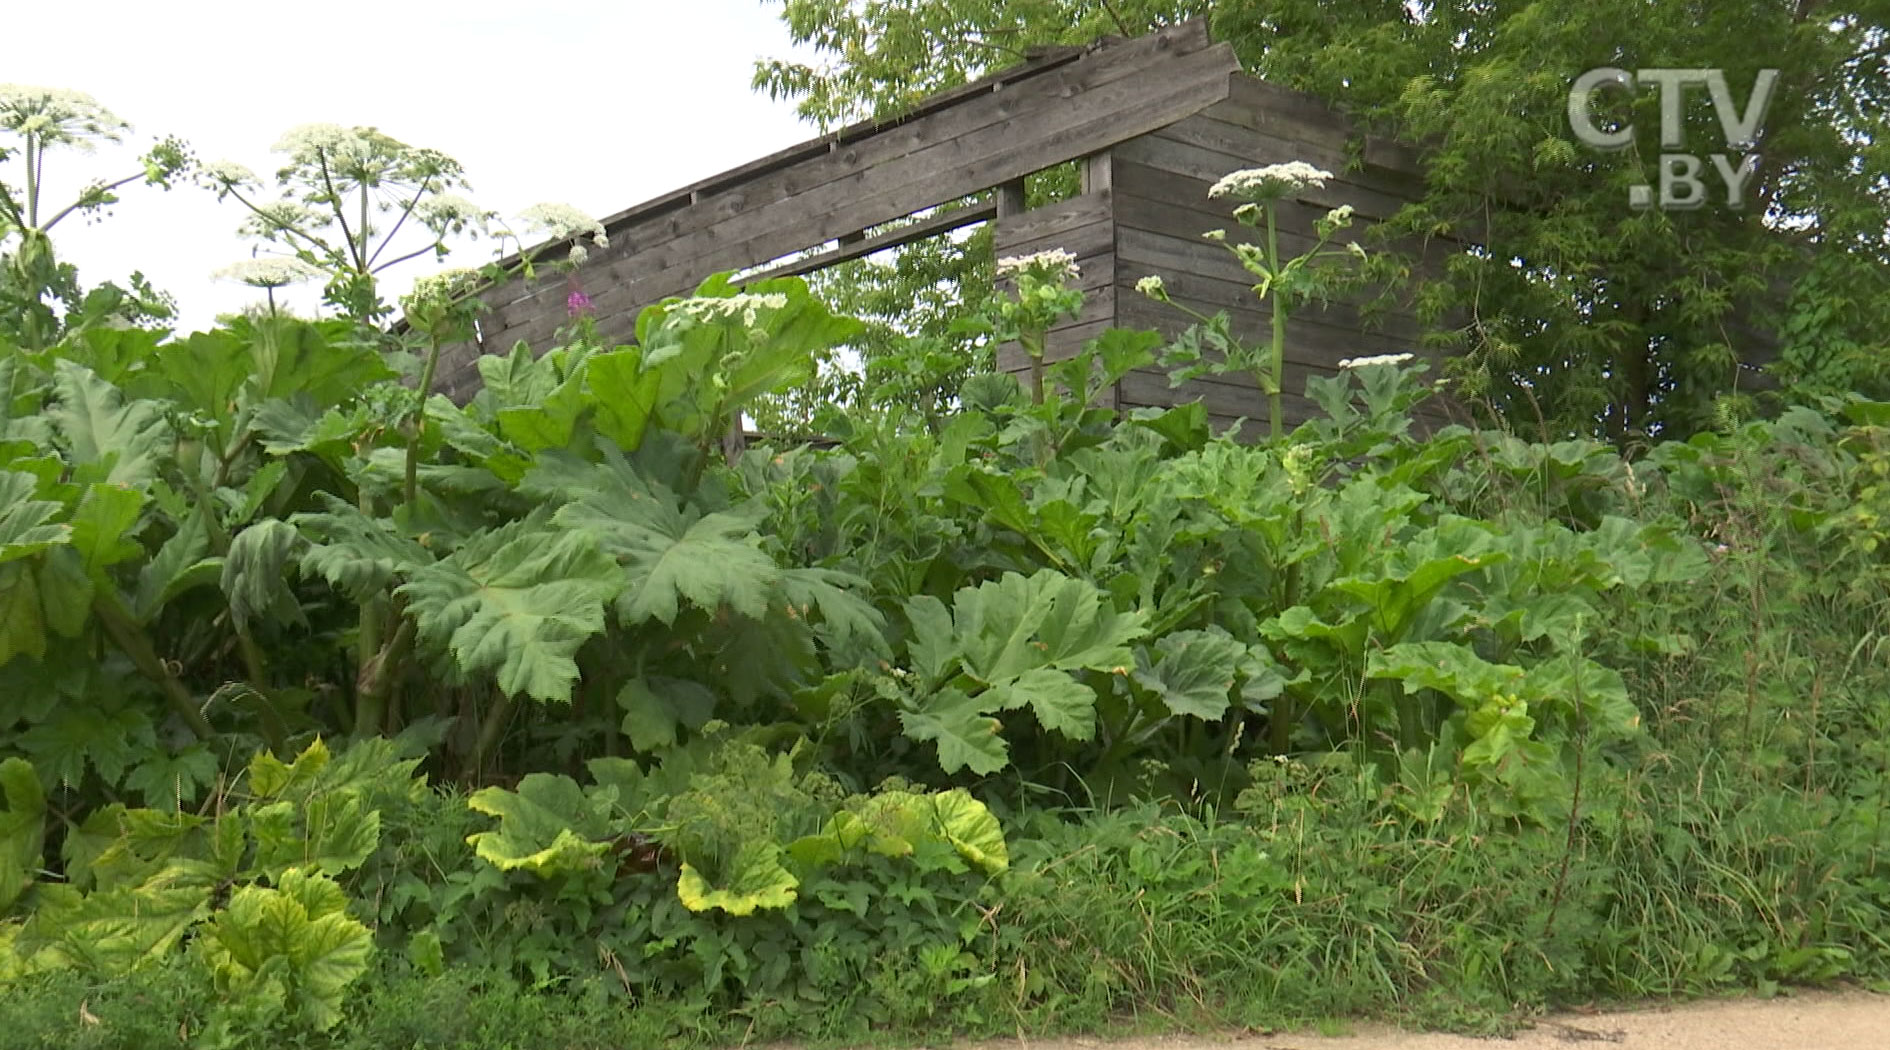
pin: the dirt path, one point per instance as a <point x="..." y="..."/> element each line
<point x="1807" y="1021"/>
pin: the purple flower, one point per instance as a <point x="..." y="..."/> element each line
<point x="577" y="304"/>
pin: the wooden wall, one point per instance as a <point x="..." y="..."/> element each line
<point x="1147" y="207"/>
<point x="1065" y="103"/>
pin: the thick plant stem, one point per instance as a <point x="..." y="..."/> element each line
<point x="1280" y="723"/>
<point x="491" y="729"/>
<point x="129" y="637"/>
<point x="1033" y="346"/>
<point x="374" y="685"/>
<point x="1277" y="363"/>
<point x="412" y="488"/>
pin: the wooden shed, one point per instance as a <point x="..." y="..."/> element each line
<point x="1153" y="121"/>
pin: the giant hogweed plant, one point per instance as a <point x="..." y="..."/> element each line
<point x="40" y="297"/>
<point x="350" y="204"/>
<point x="1283" y="283"/>
<point x="1152" y="589"/>
<point x="206" y="510"/>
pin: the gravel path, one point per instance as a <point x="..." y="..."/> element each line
<point x="1805" y="1021"/>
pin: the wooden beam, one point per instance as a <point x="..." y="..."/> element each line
<point x="860" y="245"/>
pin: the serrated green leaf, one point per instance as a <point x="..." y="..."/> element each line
<point x="108" y="934"/>
<point x="653" y="708"/>
<point x="298" y="935"/>
<point x="75" y="737"/>
<point x="1017" y="623"/>
<point x="22" y="828"/>
<point x="672" y="554"/>
<point x="1194" y="672"/>
<point x="180" y="564"/>
<point x="1060" y="702"/>
<point x="22" y="622"/>
<point x="357" y="554"/>
<point x="516" y="602"/>
<point x="967" y="738"/>
<point x="102" y="526"/>
<point x="26" y="525"/>
<point x="174" y="780"/>
<point x="846" y="619"/>
<point x="99" y="428"/>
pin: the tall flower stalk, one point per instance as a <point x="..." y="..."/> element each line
<point x="1282" y="283"/>
<point x="35" y="121"/>
<point x="1043" y="296"/>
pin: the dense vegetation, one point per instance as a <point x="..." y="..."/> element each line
<point x="335" y="713"/>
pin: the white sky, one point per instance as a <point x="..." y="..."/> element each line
<point x="592" y="103"/>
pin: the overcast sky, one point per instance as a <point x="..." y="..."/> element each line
<point x="592" y="103"/>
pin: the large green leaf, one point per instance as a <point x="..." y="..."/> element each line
<point x="26" y="525"/>
<point x="255" y="577"/>
<point x="1060" y="702"/>
<point x="847" y="620"/>
<point x="102" y="527"/>
<point x="180" y="564"/>
<point x="22" y="828"/>
<point x="654" y="707"/>
<point x="755" y="880"/>
<point x="98" y="428"/>
<point x="299" y="934"/>
<point x="22" y="620"/>
<point x="549" y="826"/>
<point x="967" y="737"/>
<point x="1004" y="628"/>
<point x="107" y="934"/>
<point x="1195" y="672"/>
<point x="672" y="553"/>
<point x="516" y="602"/>
<point x="358" y="554"/>
<point x="626" y="396"/>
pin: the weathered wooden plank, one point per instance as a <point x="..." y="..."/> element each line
<point x="931" y="226"/>
<point x="1149" y="198"/>
<point x="1037" y="137"/>
<point x="1152" y="60"/>
<point x="1156" y="150"/>
<point x="1084" y="241"/>
<point x="1206" y="130"/>
<point x="1083" y="210"/>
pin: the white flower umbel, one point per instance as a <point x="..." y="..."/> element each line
<point x="1153" y="287"/>
<point x="310" y="143"/>
<point x="268" y="219"/>
<point x="746" y="306"/>
<point x="269" y="272"/>
<point x="443" y="287"/>
<point x="1271" y="182"/>
<point x="1340" y="215"/>
<point x="227" y="173"/>
<point x="449" y="212"/>
<point x="556" y="222"/>
<point x="58" y="115"/>
<point x="1055" y="264"/>
<point x="1381" y="359"/>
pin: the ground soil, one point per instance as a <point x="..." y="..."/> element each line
<point x="1804" y="1021"/>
